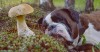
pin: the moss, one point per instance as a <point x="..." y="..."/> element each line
<point x="36" y="43"/>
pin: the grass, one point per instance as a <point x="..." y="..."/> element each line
<point x="97" y="4"/>
<point x="58" y="3"/>
<point x="79" y="4"/>
<point x="9" y="41"/>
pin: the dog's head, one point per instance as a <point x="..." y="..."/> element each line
<point x="63" y="22"/>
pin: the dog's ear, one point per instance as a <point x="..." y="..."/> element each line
<point x="40" y="21"/>
<point x="73" y="14"/>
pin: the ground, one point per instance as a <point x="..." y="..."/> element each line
<point x="9" y="40"/>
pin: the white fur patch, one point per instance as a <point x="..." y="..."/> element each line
<point x="61" y="29"/>
<point x="92" y="36"/>
<point x="48" y="19"/>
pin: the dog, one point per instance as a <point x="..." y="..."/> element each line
<point x="71" y="25"/>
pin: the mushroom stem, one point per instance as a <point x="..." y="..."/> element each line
<point x="22" y="26"/>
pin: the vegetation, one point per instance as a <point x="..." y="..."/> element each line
<point x="45" y="43"/>
<point x="98" y="46"/>
<point x="79" y="4"/>
<point x="9" y="41"/>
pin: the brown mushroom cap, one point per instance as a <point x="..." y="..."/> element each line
<point x="21" y="9"/>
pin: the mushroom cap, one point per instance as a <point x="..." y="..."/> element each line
<point x="21" y="9"/>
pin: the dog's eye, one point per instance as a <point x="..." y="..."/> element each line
<point x="51" y="27"/>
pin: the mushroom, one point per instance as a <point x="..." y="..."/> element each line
<point x="19" y="12"/>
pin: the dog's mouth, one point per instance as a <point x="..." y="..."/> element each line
<point x="57" y="36"/>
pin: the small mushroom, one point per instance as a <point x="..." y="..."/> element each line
<point x="19" y="12"/>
